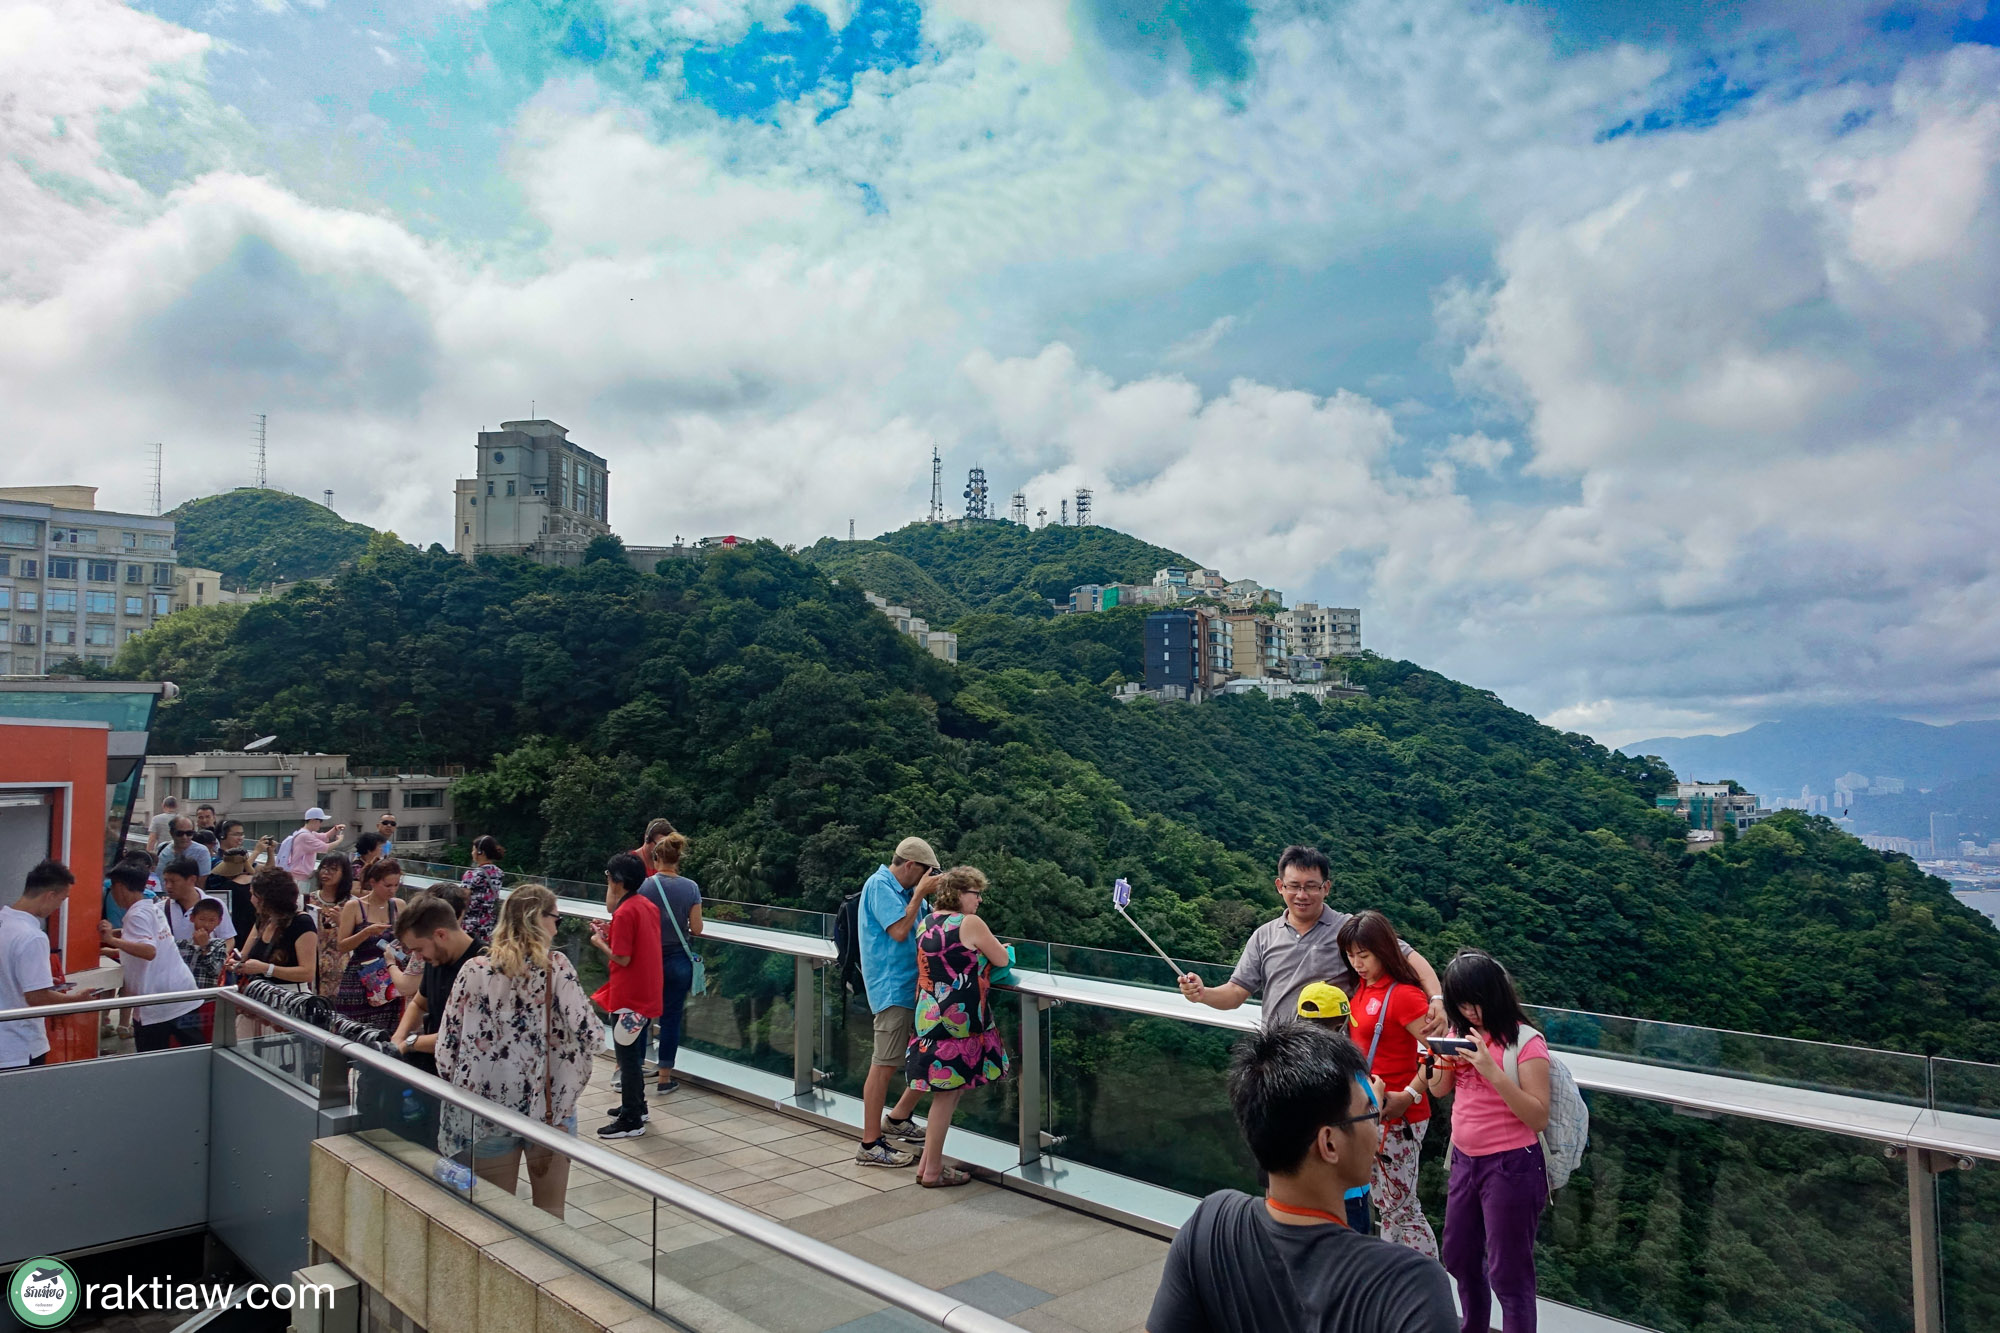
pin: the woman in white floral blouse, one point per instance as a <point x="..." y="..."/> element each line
<point x="518" y="1031"/>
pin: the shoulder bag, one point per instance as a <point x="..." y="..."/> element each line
<point x="698" y="982"/>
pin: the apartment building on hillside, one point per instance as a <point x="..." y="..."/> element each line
<point x="534" y="492"/>
<point x="77" y="581"/>
<point x="1322" y="631"/>
<point x="270" y="793"/>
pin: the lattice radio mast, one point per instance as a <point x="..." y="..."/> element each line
<point x="850" y="529"/>
<point x="157" y="449"/>
<point x="262" y="421"/>
<point x="937" y="487"/>
<point x="1083" y="506"/>
<point x="1042" y="517"/>
<point x="975" y="494"/>
<point x="1020" y="508"/>
<point x="329" y="498"/>
<point x="1065" y="513"/>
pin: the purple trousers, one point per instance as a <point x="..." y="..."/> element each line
<point x="1491" y="1212"/>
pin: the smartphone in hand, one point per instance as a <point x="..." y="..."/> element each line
<point x="1449" y="1046"/>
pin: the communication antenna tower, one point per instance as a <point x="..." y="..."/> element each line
<point x="157" y="449"/>
<point x="329" y="498"/>
<point x="850" y="529"/>
<point x="262" y="421"/>
<point x="1065" y="513"/>
<point x="1042" y="517"/>
<point x="1021" y="508"/>
<point x="937" y="487"/>
<point x="975" y="494"/>
<point x="1083" y="506"/>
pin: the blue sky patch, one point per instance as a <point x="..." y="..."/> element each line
<point x="1699" y="106"/>
<point x="773" y="65"/>
<point x="1211" y="37"/>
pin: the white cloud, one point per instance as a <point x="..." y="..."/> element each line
<point x="1748" y="372"/>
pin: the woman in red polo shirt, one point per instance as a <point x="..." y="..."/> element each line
<point x="631" y="994"/>
<point x="1385" y="1018"/>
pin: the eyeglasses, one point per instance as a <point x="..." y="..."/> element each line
<point x="385" y="823"/>
<point x="1308" y="886"/>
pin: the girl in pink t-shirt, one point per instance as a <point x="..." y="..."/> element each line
<point x="1499" y="1182"/>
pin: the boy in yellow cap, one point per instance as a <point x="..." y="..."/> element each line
<point x="1325" y="1005"/>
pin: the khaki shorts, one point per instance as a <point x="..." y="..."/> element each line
<point x="894" y="1027"/>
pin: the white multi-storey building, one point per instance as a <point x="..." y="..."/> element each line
<point x="1322" y="631"/>
<point x="535" y="493"/>
<point x="77" y="581"/>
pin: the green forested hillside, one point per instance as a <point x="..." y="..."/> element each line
<point x="877" y="569"/>
<point x="985" y="564"/>
<point x="254" y="537"/>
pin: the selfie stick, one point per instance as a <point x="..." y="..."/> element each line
<point x="1121" y="894"/>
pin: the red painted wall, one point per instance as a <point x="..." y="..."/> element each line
<point x="42" y="755"/>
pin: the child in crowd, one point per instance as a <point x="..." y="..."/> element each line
<point x="206" y="956"/>
<point x="1324" y="1005"/>
<point x="1499" y="1181"/>
<point x="631" y="994"/>
<point x="1389" y="1010"/>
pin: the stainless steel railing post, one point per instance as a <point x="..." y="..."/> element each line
<point x="1927" y="1304"/>
<point x="1029" y="1090"/>
<point x="805" y="1024"/>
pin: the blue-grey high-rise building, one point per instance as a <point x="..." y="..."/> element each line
<point x="1174" y="651"/>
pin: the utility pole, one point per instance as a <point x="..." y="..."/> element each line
<point x="937" y="487"/>
<point x="262" y="420"/>
<point x="157" y="449"/>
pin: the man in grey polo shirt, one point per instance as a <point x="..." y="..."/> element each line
<point x="1285" y="956"/>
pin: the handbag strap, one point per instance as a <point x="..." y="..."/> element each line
<point x="548" y="1045"/>
<point x="1381" y="1021"/>
<point x="667" y="906"/>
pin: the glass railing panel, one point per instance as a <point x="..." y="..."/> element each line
<point x="1965" y="1086"/>
<point x="747" y="1015"/>
<point x="1145" y="1098"/>
<point x="818" y="925"/>
<point x="1137" y="969"/>
<point x="1969" y="1246"/>
<point x="1678" y="1222"/>
<point x="1882" y="1075"/>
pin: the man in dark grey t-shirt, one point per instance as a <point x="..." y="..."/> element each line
<point x="1287" y="1263"/>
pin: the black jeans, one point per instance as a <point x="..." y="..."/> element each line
<point x="182" y="1031"/>
<point x="632" y="1075"/>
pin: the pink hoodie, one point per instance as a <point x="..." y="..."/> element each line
<point x="306" y="849"/>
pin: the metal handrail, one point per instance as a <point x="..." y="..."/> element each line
<point x="935" y="1307"/>
<point x="1847" y="1114"/>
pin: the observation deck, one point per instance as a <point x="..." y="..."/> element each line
<point x="1733" y="1181"/>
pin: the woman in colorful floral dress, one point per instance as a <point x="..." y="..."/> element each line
<point x="482" y="889"/>
<point x="518" y="1030"/>
<point x="957" y="1044"/>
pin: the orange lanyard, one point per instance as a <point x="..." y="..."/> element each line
<point x="1295" y="1211"/>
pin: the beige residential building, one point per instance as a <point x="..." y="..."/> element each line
<point x="1257" y="644"/>
<point x="534" y="493"/>
<point x="939" y="643"/>
<point x="270" y="793"/>
<point x="77" y="581"/>
<point x="194" y="586"/>
<point x="1322" y="631"/>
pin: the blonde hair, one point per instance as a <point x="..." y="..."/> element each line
<point x="519" y="944"/>
<point x="668" y="850"/>
<point x="953" y="882"/>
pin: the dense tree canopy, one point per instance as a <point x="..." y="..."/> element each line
<point x="981" y="563"/>
<point x="257" y="537"/>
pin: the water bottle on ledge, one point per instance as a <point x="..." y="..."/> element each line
<point x="453" y="1175"/>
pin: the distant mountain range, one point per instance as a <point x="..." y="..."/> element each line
<point x="1778" y="758"/>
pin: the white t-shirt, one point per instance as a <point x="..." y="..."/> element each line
<point x="160" y="828"/>
<point x="163" y="973"/>
<point x="24" y="967"/>
<point x="182" y="923"/>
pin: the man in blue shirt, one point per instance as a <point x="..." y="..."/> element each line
<point x="892" y="903"/>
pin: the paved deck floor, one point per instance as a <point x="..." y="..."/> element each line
<point x="1046" y="1268"/>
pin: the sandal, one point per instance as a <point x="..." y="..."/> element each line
<point x="947" y="1178"/>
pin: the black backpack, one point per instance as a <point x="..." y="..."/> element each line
<point x="847" y="947"/>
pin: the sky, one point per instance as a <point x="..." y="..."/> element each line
<point x="1635" y="361"/>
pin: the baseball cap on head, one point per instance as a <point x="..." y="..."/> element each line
<point x="1323" y="1000"/>
<point x="315" y="813"/>
<point x="916" y="849"/>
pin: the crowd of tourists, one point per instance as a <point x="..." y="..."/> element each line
<point x="1334" y="1093"/>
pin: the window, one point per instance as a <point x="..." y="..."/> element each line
<point x="139" y="792"/>
<point x="510" y="488"/>
<point x="468" y="529"/>
<point x="162" y="604"/>
<point x="325" y="800"/>
<point x="474" y="502"/>
<point x="99" y="636"/>
<point x="61" y="634"/>
<point x="163" y="576"/>
<point x="24" y="634"/>
<point x="86" y="536"/>
<point x="374" y="800"/>
<point x="130" y="634"/>
<point x="61" y="601"/>
<point x="433" y="833"/>
<point x="6" y="599"/>
<point x="131" y="540"/>
<point x="489" y="488"/>
<point x="29" y="569"/>
<point x="499" y="457"/>
<point x="135" y="606"/>
<point x="62" y="567"/>
<point x="135" y="573"/>
<point x="101" y="603"/>
<point x="102" y="571"/>
<point x="159" y="542"/>
<point x="18" y="532"/>
<point x="198" y="590"/>
<point x="204" y="789"/>
<point x="267" y="789"/>
<point x="6" y="563"/>
<point x="426" y="798"/>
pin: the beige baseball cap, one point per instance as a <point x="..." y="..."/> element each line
<point x="916" y="849"/>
